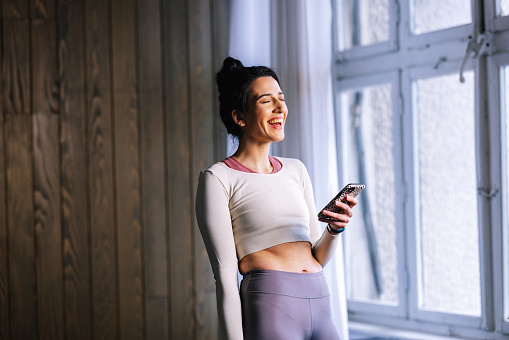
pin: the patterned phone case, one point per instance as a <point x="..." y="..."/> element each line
<point x="349" y="190"/>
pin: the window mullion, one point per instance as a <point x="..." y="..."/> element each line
<point x="498" y="204"/>
<point x="485" y="189"/>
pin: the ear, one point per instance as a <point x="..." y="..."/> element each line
<point x="238" y="118"/>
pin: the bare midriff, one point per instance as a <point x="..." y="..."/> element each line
<point x="295" y="257"/>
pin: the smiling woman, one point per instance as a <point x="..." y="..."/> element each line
<point x="280" y="252"/>
<point x="264" y="119"/>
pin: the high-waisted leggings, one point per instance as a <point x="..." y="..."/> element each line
<point x="286" y="306"/>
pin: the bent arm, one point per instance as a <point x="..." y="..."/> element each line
<point x="213" y="215"/>
<point x="323" y="243"/>
<point x="323" y="249"/>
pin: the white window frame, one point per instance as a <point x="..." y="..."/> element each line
<point x="412" y="207"/>
<point x="401" y="60"/>
<point x="369" y="50"/>
<point x="499" y="209"/>
<point x="495" y="24"/>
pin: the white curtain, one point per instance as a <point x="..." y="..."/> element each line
<point x="294" y="37"/>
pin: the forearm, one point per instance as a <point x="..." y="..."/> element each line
<point x="325" y="246"/>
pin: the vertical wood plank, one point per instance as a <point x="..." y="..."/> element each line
<point x="45" y="124"/>
<point x="16" y="66"/>
<point x="46" y="85"/>
<point x="15" y="8"/>
<point x="47" y="227"/>
<point x="5" y="320"/>
<point x="153" y="168"/>
<point x="74" y="171"/>
<point x="127" y="169"/>
<point x="43" y="9"/>
<point x="101" y="186"/>
<point x="16" y="108"/>
<point x="221" y="29"/>
<point x="179" y="172"/>
<point x="20" y="226"/>
<point x="203" y="151"/>
<point x="4" y="256"/>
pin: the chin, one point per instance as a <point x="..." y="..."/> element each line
<point x="280" y="138"/>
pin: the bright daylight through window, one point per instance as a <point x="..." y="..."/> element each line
<point x="429" y="243"/>
<point x="448" y="245"/>
<point x="373" y="270"/>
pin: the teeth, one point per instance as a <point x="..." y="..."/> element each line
<point x="275" y="121"/>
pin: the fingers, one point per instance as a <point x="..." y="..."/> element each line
<point x="341" y="219"/>
<point x="346" y="209"/>
<point x="343" y="216"/>
<point x="351" y="201"/>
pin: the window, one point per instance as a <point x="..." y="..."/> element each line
<point x="446" y="178"/>
<point x="369" y="118"/>
<point x="503" y="8"/>
<point x="429" y="247"/>
<point x="429" y="16"/>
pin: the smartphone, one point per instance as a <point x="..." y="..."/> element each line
<point x="351" y="190"/>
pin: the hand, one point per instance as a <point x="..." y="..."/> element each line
<point x="340" y="220"/>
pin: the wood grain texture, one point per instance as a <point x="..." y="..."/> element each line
<point x="45" y="122"/>
<point x="5" y="323"/>
<point x="47" y="226"/>
<point x="101" y="183"/>
<point x="16" y="8"/>
<point x="127" y="167"/>
<point x="46" y="83"/>
<point x="20" y="226"/>
<point x="16" y="66"/>
<point x="5" y="320"/>
<point x="106" y="120"/>
<point x="221" y="38"/>
<point x="203" y="150"/>
<point x="179" y="172"/>
<point x="152" y="137"/>
<point x="74" y="191"/>
<point x="43" y="9"/>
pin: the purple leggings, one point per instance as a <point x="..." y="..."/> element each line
<point x="281" y="305"/>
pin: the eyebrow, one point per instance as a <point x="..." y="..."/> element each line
<point x="268" y="94"/>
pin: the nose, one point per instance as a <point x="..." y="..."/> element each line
<point x="280" y="105"/>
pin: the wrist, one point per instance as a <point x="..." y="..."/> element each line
<point x="334" y="232"/>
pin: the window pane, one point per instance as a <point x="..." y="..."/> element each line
<point x="365" y="22"/>
<point x="449" y="277"/>
<point x="371" y="239"/>
<point x="434" y="15"/>
<point x="503" y="8"/>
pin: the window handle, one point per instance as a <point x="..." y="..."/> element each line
<point x="475" y="45"/>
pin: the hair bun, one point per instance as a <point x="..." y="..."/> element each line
<point x="229" y="78"/>
<point x="232" y="64"/>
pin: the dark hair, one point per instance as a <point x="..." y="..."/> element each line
<point x="234" y="83"/>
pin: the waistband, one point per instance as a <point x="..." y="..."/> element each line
<point x="300" y="285"/>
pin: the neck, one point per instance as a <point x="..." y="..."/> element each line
<point x="254" y="156"/>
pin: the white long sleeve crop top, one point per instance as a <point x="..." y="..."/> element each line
<point x="240" y="213"/>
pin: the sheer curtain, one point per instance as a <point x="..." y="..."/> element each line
<point x="294" y="37"/>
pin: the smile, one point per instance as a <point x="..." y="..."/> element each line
<point x="276" y="123"/>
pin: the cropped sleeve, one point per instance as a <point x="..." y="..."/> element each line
<point x="214" y="221"/>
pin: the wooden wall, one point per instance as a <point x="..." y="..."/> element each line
<point x="107" y="116"/>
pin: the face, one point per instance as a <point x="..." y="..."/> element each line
<point x="266" y="116"/>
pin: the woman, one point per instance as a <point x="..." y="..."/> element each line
<point x="257" y="214"/>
